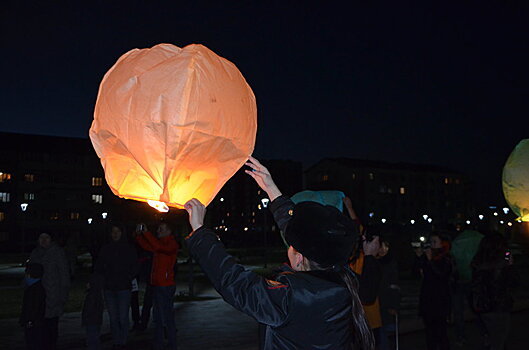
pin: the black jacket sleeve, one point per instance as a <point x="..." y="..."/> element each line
<point x="264" y="300"/>
<point x="280" y="208"/>
<point x="369" y="280"/>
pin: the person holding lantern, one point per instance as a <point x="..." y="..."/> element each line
<point x="314" y="303"/>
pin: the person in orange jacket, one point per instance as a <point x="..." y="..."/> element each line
<point x="164" y="249"/>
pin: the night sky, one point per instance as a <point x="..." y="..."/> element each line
<point x="442" y="84"/>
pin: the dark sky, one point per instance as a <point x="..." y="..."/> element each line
<point x="444" y="84"/>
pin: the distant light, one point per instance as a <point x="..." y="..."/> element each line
<point x="509" y="224"/>
<point x="265" y="202"/>
<point x="371" y="214"/>
<point x="425" y="217"/>
<point x="422" y="238"/>
<point x="501" y="222"/>
<point x="519" y="220"/>
<point x="430" y="220"/>
<point x="222" y="199"/>
<point x="506" y="210"/>
<point x="259" y="206"/>
<point x="495" y="214"/>
<point x="90" y="221"/>
<point x="383" y="221"/>
<point x="412" y="221"/>
<point x="246" y="229"/>
<point x="226" y="229"/>
<point x="492" y="207"/>
<point x="480" y="217"/>
<point x="104" y="215"/>
<point x="468" y="222"/>
<point x="23" y="206"/>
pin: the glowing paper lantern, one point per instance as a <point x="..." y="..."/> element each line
<point x="171" y="124"/>
<point x="516" y="180"/>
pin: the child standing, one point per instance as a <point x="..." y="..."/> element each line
<point x="92" y="315"/>
<point x="33" y="306"/>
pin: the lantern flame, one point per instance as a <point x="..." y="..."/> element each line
<point x="160" y="206"/>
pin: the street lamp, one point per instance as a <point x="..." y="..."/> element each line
<point x="425" y="217"/>
<point x="104" y="215"/>
<point x="23" y="207"/>
<point x="264" y="202"/>
<point x="480" y="217"/>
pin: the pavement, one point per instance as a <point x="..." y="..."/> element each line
<point x="213" y="324"/>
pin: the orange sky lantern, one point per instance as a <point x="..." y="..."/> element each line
<point x="171" y="124"/>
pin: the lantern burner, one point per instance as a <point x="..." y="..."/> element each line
<point x="160" y="206"/>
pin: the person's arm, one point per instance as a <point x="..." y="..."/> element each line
<point x="144" y="243"/>
<point x="264" y="300"/>
<point x="280" y="208"/>
<point x="158" y="247"/>
<point x="262" y="176"/>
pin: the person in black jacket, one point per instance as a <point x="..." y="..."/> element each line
<point x="33" y="307"/>
<point x="92" y="314"/>
<point x="314" y="303"/>
<point x="435" y="266"/>
<point x="118" y="263"/>
<point x="493" y="279"/>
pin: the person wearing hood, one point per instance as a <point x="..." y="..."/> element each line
<point x="314" y="302"/>
<point x="33" y="306"/>
<point x="56" y="283"/>
<point x="118" y="263"/>
<point x="92" y="314"/>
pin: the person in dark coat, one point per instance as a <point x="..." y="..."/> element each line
<point x="493" y="280"/>
<point x="314" y="303"/>
<point x="33" y="307"/>
<point x="118" y="263"/>
<point x="389" y="295"/>
<point x="436" y="267"/>
<point x="56" y="283"/>
<point x="92" y="314"/>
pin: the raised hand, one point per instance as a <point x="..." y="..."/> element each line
<point x="263" y="178"/>
<point x="197" y="212"/>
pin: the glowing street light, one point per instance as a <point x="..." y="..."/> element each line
<point x="383" y="220"/>
<point x="90" y="221"/>
<point x="104" y="215"/>
<point x="425" y="217"/>
<point x="412" y="221"/>
<point x="480" y="217"/>
<point x="506" y="211"/>
<point x="468" y="222"/>
<point x="422" y="238"/>
<point x="495" y="214"/>
<point x="371" y="214"/>
<point x="23" y="206"/>
<point x="509" y="224"/>
<point x="430" y="220"/>
<point x="222" y="199"/>
<point x="265" y="202"/>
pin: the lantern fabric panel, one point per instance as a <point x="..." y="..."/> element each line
<point x="172" y="124"/>
<point x="516" y="180"/>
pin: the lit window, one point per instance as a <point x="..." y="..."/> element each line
<point x="253" y="213"/>
<point x="29" y="177"/>
<point x="402" y="190"/>
<point x="325" y="177"/>
<point x="446" y="181"/>
<point x="54" y="216"/>
<point x="2" y="216"/>
<point x="74" y="216"/>
<point x="353" y="176"/>
<point x="4" y="177"/>
<point x="29" y="196"/>
<point x="97" y="181"/>
<point x="371" y="176"/>
<point x="227" y="214"/>
<point x="97" y="198"/>
<point x="4" y="197"/>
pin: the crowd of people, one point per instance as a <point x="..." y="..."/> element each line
<point x="339" y="290"/>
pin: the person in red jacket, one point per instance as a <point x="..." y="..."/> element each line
<point x="164" y="249"/>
